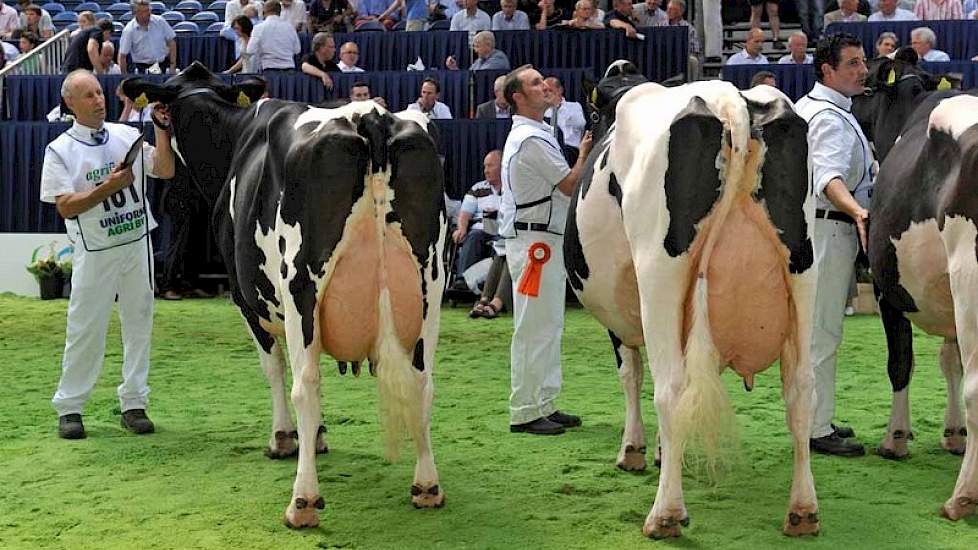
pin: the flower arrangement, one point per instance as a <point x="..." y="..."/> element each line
<point x="51" y="271"/>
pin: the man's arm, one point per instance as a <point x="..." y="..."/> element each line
<point x="838" y="194"/>
<point x="569" y="182"/>
<point x="830" y="146"/>
<point x="70" y="205"/>
<point x="124" y="45"/>
<point x="463" y="226"/>
<point x="616" y="24"/>
<point x="172" y="44"/>
<point x="94" y="57"/>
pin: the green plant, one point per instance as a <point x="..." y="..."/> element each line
<point x="51" y="265"/>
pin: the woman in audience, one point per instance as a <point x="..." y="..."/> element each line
<point x="246" y="63"/>
<point x="86" y="20"/>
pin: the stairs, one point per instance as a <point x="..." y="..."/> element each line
<point x="734" y="36"/>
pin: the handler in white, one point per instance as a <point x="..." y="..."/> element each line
<point x="842" y="170"/>
<point x="105" y="212"/>
<point x="537" y="184"/>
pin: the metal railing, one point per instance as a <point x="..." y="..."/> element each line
<point x="44" y="59"/>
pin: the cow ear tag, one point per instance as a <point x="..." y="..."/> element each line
<point x="594" y="96"/>
<point x="243" y="100"/>
<point x="891" y="78"/>
<point x="944" y="84"/>
<point x="141" y="102"/>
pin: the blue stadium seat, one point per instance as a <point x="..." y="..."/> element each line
<point x="188" y="7"/>
<point x="88" y="6"/>
<point x="51" y="7"/>
<point x="442" y="25"/>
<point x="400" y="25"/>
<point x="126" y="17"/>
<point x="173" y="17"/>
<point x="205" y="17"/>
<point x="65" y="17"/>
<point x="117" y="27"/>
<point x="217" y="6"/>
<point x="118" y="8"/>
<point x="104" y="15"/>
<point x="72" y="27"/>
<point x="157" y="8"/>
<point x="214" y="28"/>
<point x="188" y="27"/>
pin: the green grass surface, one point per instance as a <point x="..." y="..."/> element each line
<point x="202" y="482"/>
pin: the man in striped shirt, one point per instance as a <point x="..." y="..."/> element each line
<point x="937" y="10"/>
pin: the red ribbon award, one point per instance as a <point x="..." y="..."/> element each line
<point x="539" y="254"/>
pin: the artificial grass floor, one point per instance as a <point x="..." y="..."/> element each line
<point x="202" y="482"/>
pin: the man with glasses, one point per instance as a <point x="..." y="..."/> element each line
<point x="349" y="54"/>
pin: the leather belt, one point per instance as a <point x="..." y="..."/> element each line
<point x="523" y="226"/>
<point x="834" y="216"/>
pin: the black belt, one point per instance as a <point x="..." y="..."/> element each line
<point x="530" y="226"/>
<point x="833" y="215"/>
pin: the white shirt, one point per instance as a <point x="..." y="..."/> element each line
<point x="147" y="44"/>
<point x="10" y="51"/>
<point x="646" y="19"/>
<point x="532" y="167"/>
<point x="742" y="58"/>
<point x="481" y="198"/>
<point x="295" y="14"/>
<point x="897" y="15"/>
<point x="348" y="69"/>
<point x="275" y="42"/>
<point x="788" y="60"/>
<point x="9" y="19"/>
<point x="570" y="118"/>
<point x="439" y="111"/>
<point x="519" y="22"/>
<point x="478" y="22"/>
<point x="234" y="8"/>
<point x="936" y="55"/>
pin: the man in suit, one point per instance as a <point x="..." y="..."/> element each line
<point x="494" y="108"/>
<point x="847" y="13"/>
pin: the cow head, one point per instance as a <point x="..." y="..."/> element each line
<point x="602" y="98"/>
<point x="203" y="114"/>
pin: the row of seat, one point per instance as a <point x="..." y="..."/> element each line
<point x="185" y="6"/>
<point x="180" y="27"/>
<point x="171" y="17"/>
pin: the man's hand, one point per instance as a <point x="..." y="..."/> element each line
<point x="327" y="81"/>
<point x="160" y="116"/>
<point x="458" y="235"/>
<point x="120" y="178"/>
<point x="630" y="31"/>
<point x="380" y="101"/>
<point x="587" y="141"/>
<point x="861" y="215"/>
<point x="450" y="63"/>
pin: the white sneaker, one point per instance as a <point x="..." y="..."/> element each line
<point x="850" y="311"/>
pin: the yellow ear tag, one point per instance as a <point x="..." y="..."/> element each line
<point x="891" y="78"/>
<point x="243" y="100"/>
<point x="594" y="95"/>
<point x="141" y="102"/>
<point x="944" y="84"/>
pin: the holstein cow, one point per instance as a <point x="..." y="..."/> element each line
<point x="330" y="222"/>
<point x="690" y="234"/>
<point x="924" y="257"/>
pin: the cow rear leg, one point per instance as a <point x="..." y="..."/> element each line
<point x="303" y="510"/>
<point x="283" y="442"/>
<point x="631" y="456"/>
<point x="668" y="515"/>
<point x="425" y="490"/>
<point x="955" y="432"/>
<point x="899" y="366"/>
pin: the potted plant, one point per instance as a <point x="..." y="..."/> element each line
<point x="49" y="273"/>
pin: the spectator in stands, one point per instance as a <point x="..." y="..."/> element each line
<point x="773" y="17"/>
<point x="584" y="16"/>
<point x="890" y="12"/>
<point x="549" y="15"/>
<point x="495" y="108"/>
<point x="108" y="58"/>
<point x="149" y="49"/>
<point x="845" y="14"/>
<point x="487" y="56"/>
<point x="968" y="8"/>
<point x="428" y="102"/>
<point x="508" y="18"/>
<point x="923" y="40"/>
<point x="294" y="11"/>
<point x="375" y="14"/>
<point x="416" y="14"/>
<point x="481" y="201"/>
<point x="274" y="42"/>
<point x="751" y="54"/>
<point x="234" y="8"/>
<point x="765" y="78"/>
<point x="247" y="62"/>
<point x="32" y="20"/>
<point x="621" y="17"/>
<point x="84" y="50"/>
<point x="349" y="55"/>
<point x="471" y="19"/>
<point x="937" y="10"/>
<point x="9" y="20"/>
<point x="131" y="112"/>
<point x="568" y="116"/>
<point x="319" y="63"/>
<point x="86" y="20"/>
<point x="444" y="9"/>
<point x="329" y="15"/>
<point x="360" y="91"/>
<point x="9" y="52"/>
<point x="798" y="46"/>
<point x="886" y="44"/>
<point x="811" y="16"/>
<point x="675" y="14"/>
<point x="649" y="14"/>
<point x="27" y="42"/>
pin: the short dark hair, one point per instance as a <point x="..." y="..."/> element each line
<point x="104" y="24"/>
<point x="34" y="8"/>
<point x="829" y="50"/>
<point x="513" y="84"/>
<point x="31" y="37"/>
<point x="245" y="23"/>
<point x="273" y="6"/>
<point x="359" y="84"/>
<point x="760" y="76"/>
<point x="432" y="81"/>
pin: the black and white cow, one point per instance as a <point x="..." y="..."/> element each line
<point x="330" y="222"/>
<point x="690" y="234"/>
<point x="924" y="257"/>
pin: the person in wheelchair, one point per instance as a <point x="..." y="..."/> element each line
<point x="477" y="220"/>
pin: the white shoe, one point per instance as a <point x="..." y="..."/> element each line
<point x="850" y="311"/>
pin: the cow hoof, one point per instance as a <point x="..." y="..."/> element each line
<point x="957" y="508"/>
<point x="894" y="447"/>
<point x="954" y="440"/>
<point x="321" y="446"/>
<point x="801" y="522"/>
<point x="632" y="459"/>
<point x="665" y="527"/>
<point x="283" y="445"/>
<point x="430" y="497"/>
<point x="304" y="512"/>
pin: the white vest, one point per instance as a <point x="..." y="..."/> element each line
<point x="859" y="179"/>
<point x="123" y="217"/>
<point x="525" y="199"/>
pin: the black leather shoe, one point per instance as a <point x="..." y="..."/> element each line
<point x="197" y="293"/>
<point x="564" y="419"/>
<point x="136" y="421"/>
<point x="70" y="427"/>
<point x="832" y="444"/>
<point x="845" y="432"/>
<point x="540" y="426"/>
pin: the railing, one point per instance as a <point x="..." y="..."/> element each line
<point x="44" y="59"/>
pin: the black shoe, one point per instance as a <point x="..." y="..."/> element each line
<point x="171" y="295"/>
<point x="540" y="426"/>
<point x="70" y="427"/>
<point x="832" y="444"/>
<point x="136" y="421"/>
<point x="564" y="419"/>
<point x="197" y="293"/>
<point x="845" y="432"/>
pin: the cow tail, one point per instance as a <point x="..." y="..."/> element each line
<point x="400" y="385"/>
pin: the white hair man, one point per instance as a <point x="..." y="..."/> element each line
<point x="798" y="50"/>
<point x="496" y="107"/>
<point x="889" y="11"/>
<point x="923" y="40"/>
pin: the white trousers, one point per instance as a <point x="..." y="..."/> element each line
<point x="538" y="323"/>
<point x="710" y="27"/>
<point x="836" y="246"/>
<point x="96" y="279"/>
